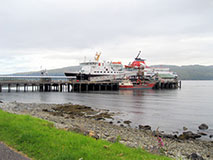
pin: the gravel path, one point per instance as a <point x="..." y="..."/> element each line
<point x="8" y="154"/>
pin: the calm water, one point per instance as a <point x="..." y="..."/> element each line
<point x="168" y="109"/>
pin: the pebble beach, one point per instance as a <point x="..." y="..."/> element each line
<point x="98" y="123"/>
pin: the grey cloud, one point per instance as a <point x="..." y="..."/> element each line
<point x="48" y="24"/>
<point x="52" y="28"/>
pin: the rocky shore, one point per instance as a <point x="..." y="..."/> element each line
<point x="99" y="124"/>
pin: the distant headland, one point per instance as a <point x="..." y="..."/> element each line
<point x="186" y="72"/>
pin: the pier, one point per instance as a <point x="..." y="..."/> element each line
<point x="48" y="85"/>
<point x="58" y="86"/>
<point x="167" y="84"/>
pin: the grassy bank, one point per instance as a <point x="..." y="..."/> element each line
<point x="40" y="140"/>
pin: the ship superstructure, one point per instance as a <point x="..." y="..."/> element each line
<point x="96" y="68"/>
<point x="149" y="72"/>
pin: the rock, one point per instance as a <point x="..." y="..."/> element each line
<point x="77" y="129"/>
<point x="1" y="102"/>
<point x="121" y="125"/>
<point x="112" y="139"/>
<point x="211" y="136"/>
<point x="100" y="118"/>
<point x="45" y="110"/>
<point x="146" y="127"/>
<point x="195" y="156"/>
<point x="118" y="121"/>
<point x="110" y="122"/>
<point x="127" y="122"/>
<point x="169" y="136"/>
<point x="158" y="134"/>
<point x="66" y="117"/>
<point x="184" y="128"/>
<point x="131" y="144"/>
<point x="155" y="150"/>
<point x="202" y="133"/>
<point x="106" y="134"/>
<point x="203" y="126"/>
<point x="189" y="135"/>
<point x="93" y="134"/>
<point x="175" y="132"/>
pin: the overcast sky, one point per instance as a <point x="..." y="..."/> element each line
<point x="60" y="33"/>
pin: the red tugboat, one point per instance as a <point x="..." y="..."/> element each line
<point x="138" y="81"/>
<point x="127" y="84"/>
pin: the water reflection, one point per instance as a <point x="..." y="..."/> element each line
<point x="136" y="92"/>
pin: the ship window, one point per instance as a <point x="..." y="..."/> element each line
<point x="108" y="72"/>
<point x="104" y="71"/>
<point x="111" y="72"/>
<point x="97" y="71"/>
<point x="101" y="71"/>
<point x="94" y="71"/>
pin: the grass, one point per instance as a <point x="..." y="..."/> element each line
<point x="39" y="139"/>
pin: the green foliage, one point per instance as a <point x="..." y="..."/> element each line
<point x="40" y="140"/>
<point x="118" y="139"/>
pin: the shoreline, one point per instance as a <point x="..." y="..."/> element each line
<point x="86" y="120"/>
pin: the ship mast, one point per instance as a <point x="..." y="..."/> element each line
<point x="138" y="55"/>
<point x="97" y="56"/>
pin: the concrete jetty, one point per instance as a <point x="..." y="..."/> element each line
<point x="59" y="86"/>
<point x="49" y="85"/>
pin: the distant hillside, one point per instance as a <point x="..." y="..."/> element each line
<point x="52" y="72"/>
<point x="190" y="72"/>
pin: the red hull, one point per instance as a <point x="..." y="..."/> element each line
<point x="139" y="86"/>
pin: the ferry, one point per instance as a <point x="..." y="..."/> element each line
<point x="149" y="72"/>
<point x="93" y="70"/>
<point x="101" y="71"/>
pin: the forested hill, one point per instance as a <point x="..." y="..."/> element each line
<point x="189" y="72"/>
<point x="192" y="72"/>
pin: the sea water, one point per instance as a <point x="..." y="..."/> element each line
<point x="168" y="109"/>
